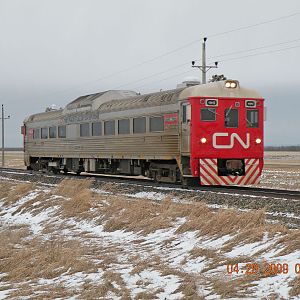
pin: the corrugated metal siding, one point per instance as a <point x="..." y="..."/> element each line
<point x="163" y="146"/>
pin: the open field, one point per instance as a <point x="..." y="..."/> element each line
<point x="72" y="241"/>
<point x="13" y="159"/>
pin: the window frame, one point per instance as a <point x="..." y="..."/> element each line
<point x="238" y="116"/>
<point x="93" y="123"/>
<point x="114" y="127"/>
<point x="248" y="121"/>
<point x="82" y="133"/>
<point x="38" y="135"/>
<point x="136" y="118"/>
<point x="55" y="132"/>
<point x="163" y="123"/>
<point x="59" y="131"/>
<point x="208" y="109"/>
<point x="125" y="119"/>
<point x="45" y="130"/>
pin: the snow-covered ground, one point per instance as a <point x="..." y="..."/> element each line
<point x="72" y="242"/>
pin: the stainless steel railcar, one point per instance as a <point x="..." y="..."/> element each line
<point x="121" y="132"/>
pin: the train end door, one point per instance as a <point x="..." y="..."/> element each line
<point x="185" y="129"/>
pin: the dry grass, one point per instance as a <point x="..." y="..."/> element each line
<point x="295" y="284"/>
<point x="14" y="159"/>
<point x="189" y="287"/>
<point x="291" y="242"/>
<point x="25" y="259"/>
<point x="222" y="222"/>
<point x="12" y="192"/>
<point x="72" y="187"/>
<point x="42" y="259"/>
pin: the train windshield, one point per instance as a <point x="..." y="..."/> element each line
<point x="208" y="114"/>
<point x="252" y="118"/>
<point x="231" y="117"/>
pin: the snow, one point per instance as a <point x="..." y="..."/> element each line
<point x="175" y="254"/>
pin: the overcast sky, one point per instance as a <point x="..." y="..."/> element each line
<point x="54" y="51"/>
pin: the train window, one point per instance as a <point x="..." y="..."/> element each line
<point x="156" y="124"/>
<point x="36" y="133"/>
<point x="186" y="113"/>
<point x="252" y="118"/>
<point x="124" y="126"/>
<point x="85" y="129"/>
<point x="139" y="125"/>
<point x="231" y="117"/>
<point x="52" y="132"/>
<point x="208" y="114"/>
<point x="109" y="127"/>
<point x="44" y="133"/>
<point x="96" y="129"/>
<point x="61" y="131"/>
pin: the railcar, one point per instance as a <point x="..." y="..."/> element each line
<point x="211" y="134"/>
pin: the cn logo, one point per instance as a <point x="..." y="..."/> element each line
<point x="233" y="136"/>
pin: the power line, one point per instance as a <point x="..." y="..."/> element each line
<point x="235" y="58"/>
<point x="254" y="25"/>
<point x="221" y="55"/>
<point x="262" y="53"/>
<point x="183" y="47"/>
<point x="163" y="79"/>
<point x="152" y="75"/>
<point x="196" y="41"/>
<point x="252" y="49"/>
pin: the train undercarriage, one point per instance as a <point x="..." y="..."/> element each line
<point x="158" y="170"/>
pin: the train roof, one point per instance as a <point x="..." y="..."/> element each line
<point x="218" y="89"/>
<point x="119" y="100"/>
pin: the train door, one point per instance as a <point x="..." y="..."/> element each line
<point x="185" y="128"/>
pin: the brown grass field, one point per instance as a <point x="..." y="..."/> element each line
<point x="71" y="241"/>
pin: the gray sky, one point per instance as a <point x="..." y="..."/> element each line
<point x="54" y="51"/>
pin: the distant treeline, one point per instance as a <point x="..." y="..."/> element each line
<point x="282" y="148"/>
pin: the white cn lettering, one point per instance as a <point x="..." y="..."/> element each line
<point x="232" y="138"/>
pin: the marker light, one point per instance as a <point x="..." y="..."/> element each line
<point x="258" y="141"/>
<point x="203" y="140"/>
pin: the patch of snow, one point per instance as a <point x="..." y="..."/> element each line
<point x="149" y="195"/>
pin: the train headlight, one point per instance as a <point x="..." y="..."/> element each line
<point x="258" y="141"/>
<point x="231" y="84"/>
<point x="203" y="140"/>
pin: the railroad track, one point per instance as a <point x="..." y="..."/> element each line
<point x="243" y="190"/>
<point x="280" y="205"/>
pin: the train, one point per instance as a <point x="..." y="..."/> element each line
<point x="208" y="134"/>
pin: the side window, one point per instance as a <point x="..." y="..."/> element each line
<point x="52" y="132"/>
<point x="139" y="125"/>
<point x="208" y="114"/>
<point x="186" y="113"/>
<point x="97" y="129"/>
<point x="36" y="133"/>
<point x="61" y="131"/>
<point x="85" y="129"/>
<point x="124" y="126"/>
<point x="156" y="124"/>
<point x="252" y="118"/>
<point x="109" y="127"/>
<point x="231" y="118"/>
<point x="44" y="133"/>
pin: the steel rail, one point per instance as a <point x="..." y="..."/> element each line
<point x="242" y="190"/>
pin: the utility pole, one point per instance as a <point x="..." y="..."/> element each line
<point x="3" y="119"/>
<point x="204" y="68"/>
